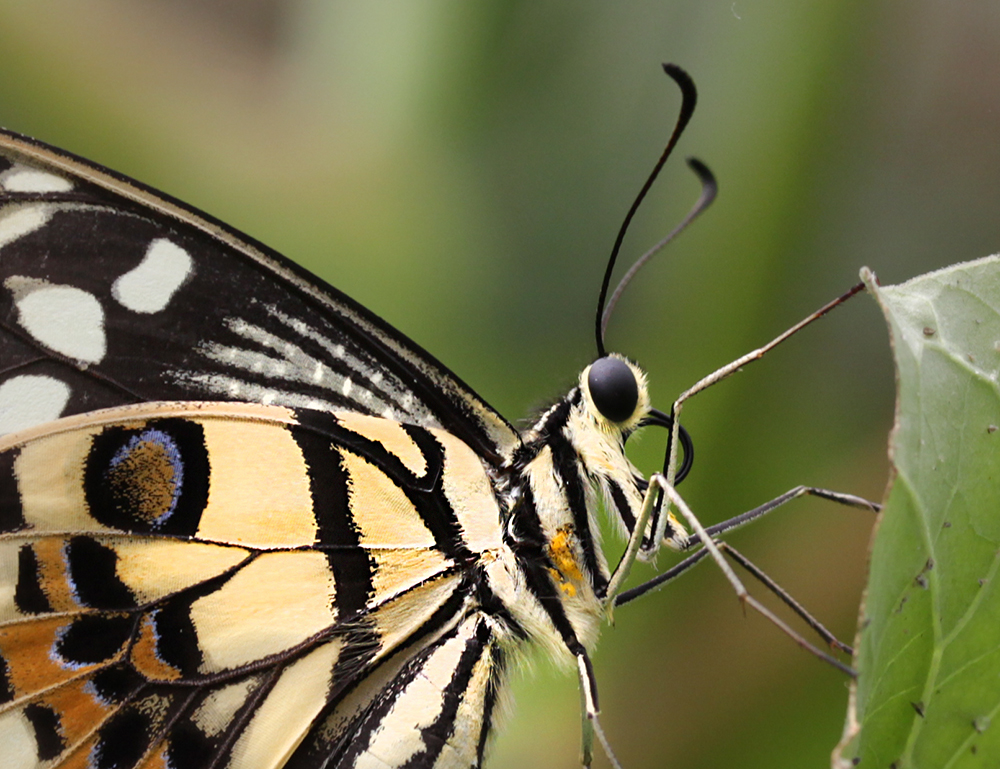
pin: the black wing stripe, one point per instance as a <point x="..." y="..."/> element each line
<point x="203" y="736"/>
<point x="351" y="565"/>
<point x="366" y="668"/>
<point x="29" y="592"/>
<point x="45" y="724"/>
<point x="435" y="509"/>
<point x="494" y="687"/>
<point x="384" y="443"/>
<point x="456" y="734"/>
<point x="11" y="514"/>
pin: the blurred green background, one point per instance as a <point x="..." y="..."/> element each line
<point x="462" y="168"/>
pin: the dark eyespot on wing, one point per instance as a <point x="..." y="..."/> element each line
<point x="152" y="479"/>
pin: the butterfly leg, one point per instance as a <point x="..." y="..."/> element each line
<point x="628" y="558"/>
<point x="589" y="712"/>
<point x="715" y="551"/>
<point x="731" y="368"/>
<point x="758" y="574"/>
<point x="849" y="500"/>
<point x="736" y="522"/>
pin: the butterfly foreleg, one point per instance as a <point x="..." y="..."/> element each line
<point x="728" y="370"/>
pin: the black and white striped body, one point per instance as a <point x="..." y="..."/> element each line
<point x="246" y="524"/>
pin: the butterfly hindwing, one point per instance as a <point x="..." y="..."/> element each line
<point x="454" y="682"/>
<point x="226" y="585"/>
<point x="112" y="293"/>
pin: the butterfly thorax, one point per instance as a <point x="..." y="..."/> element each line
<point x="571" y="458"/>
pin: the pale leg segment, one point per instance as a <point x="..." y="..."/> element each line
<point x="589" y="711"/>
<point x="627" y="560"/>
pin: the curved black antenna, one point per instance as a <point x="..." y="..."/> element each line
<point x="689" y="97"/>
<point x="709" y="189"/>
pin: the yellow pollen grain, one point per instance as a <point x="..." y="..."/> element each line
<point x="562" y="555"/>
<point x="564" y="585"/>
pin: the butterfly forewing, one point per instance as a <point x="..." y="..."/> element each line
<point x="111" y="293"/>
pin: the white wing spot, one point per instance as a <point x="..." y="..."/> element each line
<point x="18" y="221"/>
<point x="28" y="400"/>
<point x="150" y="285"/>
<point x="346" y="389"/>
<point x="65" y="319"/>
<point x="21" y="178"/>
<point x="338" y="351"/>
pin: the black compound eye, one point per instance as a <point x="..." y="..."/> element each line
<point x="613" y="388"/>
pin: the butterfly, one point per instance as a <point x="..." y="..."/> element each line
<point x="245" y="523"/>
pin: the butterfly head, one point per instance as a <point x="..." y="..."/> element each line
<point x="615" y="394"/>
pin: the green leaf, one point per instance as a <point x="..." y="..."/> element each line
<point x="928" y="653"/>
